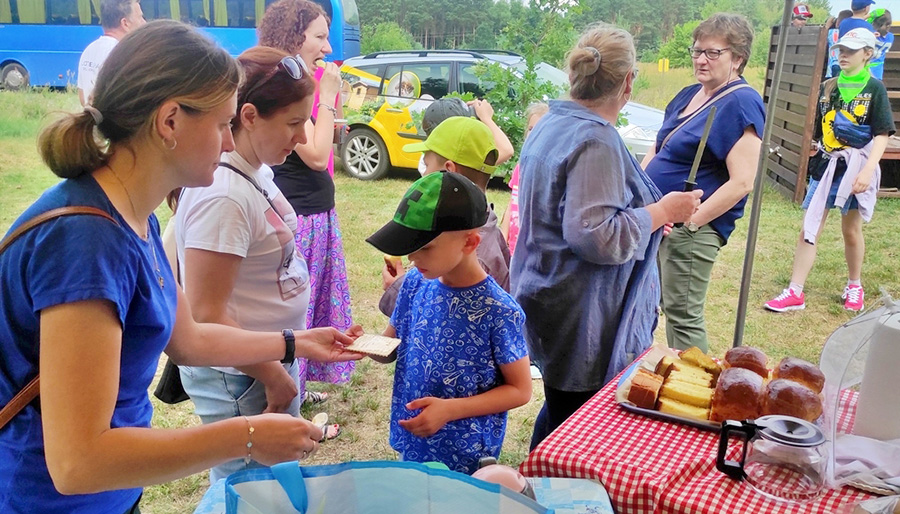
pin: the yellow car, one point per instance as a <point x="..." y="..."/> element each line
<point x="385" y="91"/>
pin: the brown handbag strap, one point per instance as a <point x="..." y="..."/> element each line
<point x="33" y="388"/>
<point x="702" y="108"/>
<point x="20" y="400"/>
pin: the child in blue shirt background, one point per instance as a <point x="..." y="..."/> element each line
<point x="881" y="20"/>
<point x="463" y="362"/>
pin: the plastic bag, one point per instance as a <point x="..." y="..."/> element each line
<point x="368" y="487"/>
<point x="843" y="362"/>
<point x="886" y="505"/>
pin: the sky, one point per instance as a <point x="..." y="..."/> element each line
<point x="891" y="5"/>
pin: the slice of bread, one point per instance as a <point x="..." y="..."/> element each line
<point x="665" y="366"/>
<point x="695" y="356"/>
<point x="702" y="380"/>
<point x="674" y="407"/>
<point x="686" y="392"/>
<point x="644" y="388"/>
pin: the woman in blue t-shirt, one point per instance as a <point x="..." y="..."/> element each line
<point x="727" y="170"/>
<point x="91" y="303"/>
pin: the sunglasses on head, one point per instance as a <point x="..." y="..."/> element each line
<point x="291" y="65"/>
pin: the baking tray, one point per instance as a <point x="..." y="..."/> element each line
<point x="625" y="379"/>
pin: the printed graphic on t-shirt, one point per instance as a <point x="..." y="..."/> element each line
<point x="291" y="280"/>
<point x="454" y="342"/>
<point x="857" y="111"/>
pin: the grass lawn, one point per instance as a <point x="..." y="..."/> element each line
<point x="362" y="407"/>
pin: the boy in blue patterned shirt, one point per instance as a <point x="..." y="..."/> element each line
<point x="462" y="362"/>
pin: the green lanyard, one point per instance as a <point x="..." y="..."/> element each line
<point x="850" y="85"/>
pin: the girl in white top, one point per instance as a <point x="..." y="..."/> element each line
<point x="235" y="240"/>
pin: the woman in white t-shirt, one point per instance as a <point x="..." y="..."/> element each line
<point x="235" y="240"/>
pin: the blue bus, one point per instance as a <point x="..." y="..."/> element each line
<point x="41" y="40"/>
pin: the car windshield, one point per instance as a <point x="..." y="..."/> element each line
<point x="546" y="73"/>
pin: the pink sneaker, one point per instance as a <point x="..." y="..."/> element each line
<point x="853" y="298"/>
<point x="786" y="301"/>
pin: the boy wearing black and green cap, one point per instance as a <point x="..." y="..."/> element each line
<point x="462" y="362"/>
<point x="466" y="146"/>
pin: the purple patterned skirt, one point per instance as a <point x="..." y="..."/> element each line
<point x="319" y="240"/>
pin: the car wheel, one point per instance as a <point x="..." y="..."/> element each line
<point x="14" y="77"/>
<point x="365" y="155"/>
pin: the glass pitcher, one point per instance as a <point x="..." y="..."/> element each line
<point x="783" y="458"/>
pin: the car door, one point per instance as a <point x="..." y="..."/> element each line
<point x="408" y="89"/>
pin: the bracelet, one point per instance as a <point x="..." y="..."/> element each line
<point x="250" y="431"/>
<point x="330" y="108"/>
<point x="289" y="346"/>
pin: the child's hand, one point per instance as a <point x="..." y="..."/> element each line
<point x="861" y="184"/>
<point x="434" y="415"/>
<point x="354" y="332"/>
<point x="390" y="274"/>
<point x="483" y="110"/>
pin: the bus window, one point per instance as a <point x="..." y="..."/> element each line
<point x="63" y="12"/>
<point x="5" y="12"/>
<point x="351" y="12"/>
<point x="195" y="12"/>
<point x="160" y="10"/>
<point x="326" y="5"/>
<point x="243" y="13"/>
<point x="31" y="12"/>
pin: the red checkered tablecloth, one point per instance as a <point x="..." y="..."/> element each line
<point x="659" y="467"/>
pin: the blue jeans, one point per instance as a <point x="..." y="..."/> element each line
<point x="851" y="204"/>
<point x="218" y="396"/>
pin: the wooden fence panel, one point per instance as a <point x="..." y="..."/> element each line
<point x="791" y="142"/>
<point x="795" y="108"/>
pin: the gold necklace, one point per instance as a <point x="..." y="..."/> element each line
<point x="134" y="213"/>
<point x="159" y="276"/>
<point x="145" y="238"/>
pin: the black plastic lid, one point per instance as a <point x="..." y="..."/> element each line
<point x="790" y="431"/>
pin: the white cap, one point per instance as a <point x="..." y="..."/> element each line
<point x="856" y="39"/>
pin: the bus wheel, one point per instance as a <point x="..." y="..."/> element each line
<point x="14" y="76"/>
<point x="364" y="155"/>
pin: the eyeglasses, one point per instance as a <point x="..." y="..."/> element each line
<point x="292" y="65"/>
<point x="711" y="53"/>
<point x="634" y="73"/>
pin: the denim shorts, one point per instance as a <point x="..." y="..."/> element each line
<point x="218" y="396"/>
<point x="851" y="204"/>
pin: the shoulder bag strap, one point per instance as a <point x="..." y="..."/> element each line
<point x="255" y="185"/>
<point x="32" y="389"/>
<point x="700" y="110"/>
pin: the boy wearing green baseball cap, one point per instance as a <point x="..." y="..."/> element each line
<point x="466" y="146"/>
<point x="462" y="361"/>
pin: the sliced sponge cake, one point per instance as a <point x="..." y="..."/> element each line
<point x="700" y="378"/>
<point x="696" y="357"/>
<point x="644" y="388"/>
<point x="685" y="392"/>
<point x="674" y="407"/>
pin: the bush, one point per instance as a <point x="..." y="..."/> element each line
<point x="386" y="36"/>
<point x="510" y="95"/>
<point x="676" y="47"/>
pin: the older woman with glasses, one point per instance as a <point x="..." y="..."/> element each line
<point x="727" y="170"/>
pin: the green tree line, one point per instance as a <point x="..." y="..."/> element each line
<point x="546" y="29"/>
